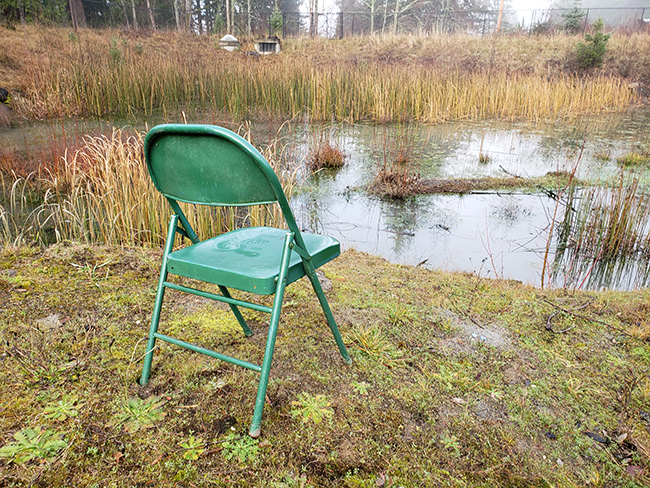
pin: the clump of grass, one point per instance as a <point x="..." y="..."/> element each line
<point x="634" y="159"/>
<point x="484" y="158"/>
<point x="398" y="177"/>
<point x="396" y="181"/>
<point x="603" y="156"/>
<point x="326" y="156"/>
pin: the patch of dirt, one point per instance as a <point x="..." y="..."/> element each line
<point x="469" y="335"/>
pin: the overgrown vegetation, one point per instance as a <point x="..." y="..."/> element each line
<point x="456" y="380"/>
<point x="102" y="193"/>
<point x="392" y="78"/>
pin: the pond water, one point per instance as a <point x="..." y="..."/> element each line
<point x="499" y="234"/>
<point x="494" y="234"/>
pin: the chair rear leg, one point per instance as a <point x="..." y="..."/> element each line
<point x="255" y="427"/>
<point x="247" y="331"/>
<point x="311" y="273"/>
<point x="160" y="295"/>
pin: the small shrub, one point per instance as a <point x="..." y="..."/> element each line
<point x="326" y="156"/>
<point x="114" y="50"/>
<point x="276" y="21"/>
<point x="572" y="21"/>
<point x="592" y="52"/>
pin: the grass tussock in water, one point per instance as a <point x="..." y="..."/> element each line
<point x="326" y="156"/>
<point x="606" y="223"/>
<point x="456" y="381"/>
<point x="635" y="159"/>
<point x="102" y="193"/>
<point x="378" y="79"/>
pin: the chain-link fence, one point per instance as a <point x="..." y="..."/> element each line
<point x="210" y="19"/>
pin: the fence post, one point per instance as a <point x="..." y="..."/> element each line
<point x="341" y="21"/>
<point x="584" y="27"/>
<point x="484" y="21"/>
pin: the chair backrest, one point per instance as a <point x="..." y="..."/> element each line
<point x="209" y="165"/>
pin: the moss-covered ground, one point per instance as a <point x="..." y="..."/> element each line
<point x="456" y="380"/>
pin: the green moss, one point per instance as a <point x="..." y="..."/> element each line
<point x="424" y="403"/>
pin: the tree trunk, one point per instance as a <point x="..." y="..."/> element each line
<point x="248" y="15"/>
<point x="395" y="16"/>
<point x="188" y="15"/>
<point x="176" y="15"/>
<point x="126" y="15"/>
<point x="135" y="15"/>
<point x="77" y="14"/>
<point x="383" y="25"/>
<point x="228" y="25"/>
<point x="199" y="16"/>
<point x="151" y="18"/>
<point x="21" y="12"/>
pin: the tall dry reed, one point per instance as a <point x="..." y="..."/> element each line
<point x="102" y="193"/>
<point x="393" y="79"/>
<point x="601" y="228"/>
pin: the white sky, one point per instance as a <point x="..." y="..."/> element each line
<point x="524" y="7"/>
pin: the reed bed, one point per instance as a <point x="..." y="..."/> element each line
<point x="102" y="193"/>
<point x="111" y="73"/>
<point x="602" y="228"/>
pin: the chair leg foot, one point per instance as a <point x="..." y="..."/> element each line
<point x="255" y="431"/>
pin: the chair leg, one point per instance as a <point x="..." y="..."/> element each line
<point x="311" y="273"/>
<point x="160" y="295"/>
<point x="247" y="331"/>
<point x="255" y="428"/>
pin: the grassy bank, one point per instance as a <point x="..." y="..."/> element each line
<point x="378" y="79"/>
<point x="455" y="381"/>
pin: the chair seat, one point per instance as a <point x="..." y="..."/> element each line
<point x="248" y="259"/>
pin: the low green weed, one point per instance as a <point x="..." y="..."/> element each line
<point x="194" y="447"/>
<point x="311" y="408"/>
<point x="241" y="448"/>
<point x="139" y="414"/>
<point x="33" y="444"/>
<point x="63" y="409"/>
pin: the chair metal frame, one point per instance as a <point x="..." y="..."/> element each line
<point x="163" y="140"/>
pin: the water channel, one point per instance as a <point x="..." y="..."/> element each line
<point x="495" y="234"/>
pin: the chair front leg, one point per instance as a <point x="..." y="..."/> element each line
<point x="160" y="295"/>
<point x="255" y="428"/>
<point x="313" y="277"/>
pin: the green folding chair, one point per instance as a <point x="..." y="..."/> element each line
<point x="209" y="165"/>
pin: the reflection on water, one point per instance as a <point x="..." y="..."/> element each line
<point x="494" y="234"/>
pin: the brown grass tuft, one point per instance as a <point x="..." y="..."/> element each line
<point x="326" y="156"/>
